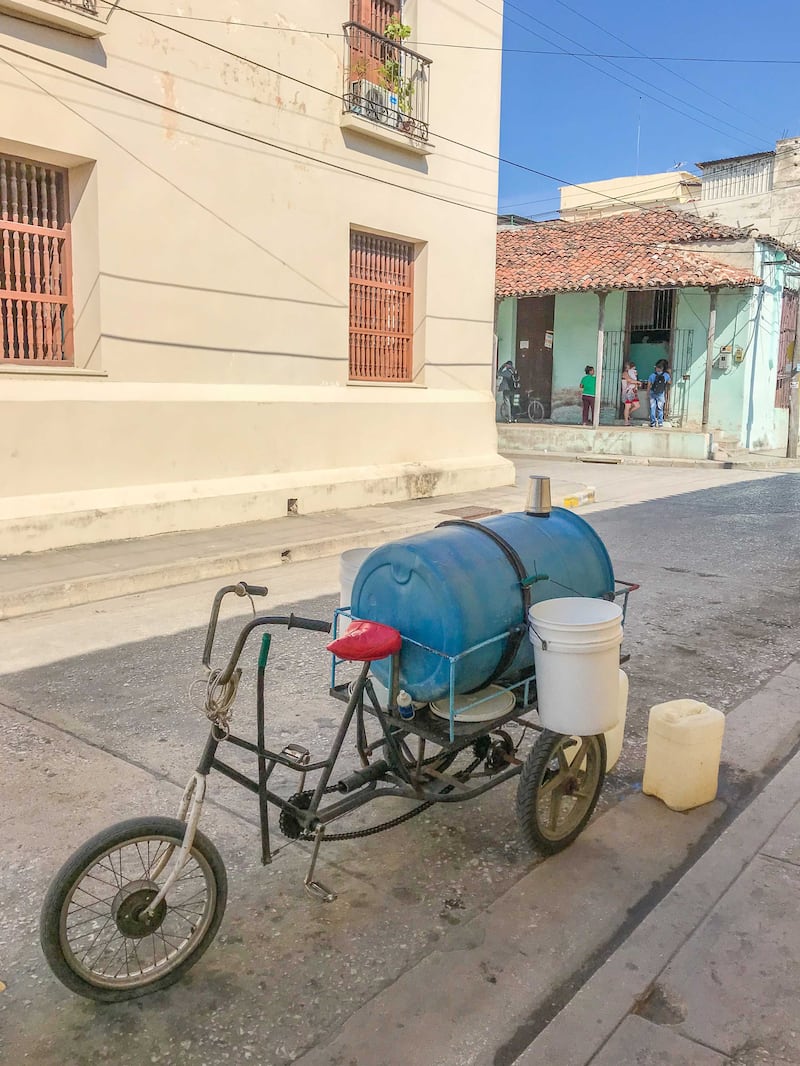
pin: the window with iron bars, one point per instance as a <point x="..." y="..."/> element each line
<point x="381" y="308"/>
<point x="36" y="313"/>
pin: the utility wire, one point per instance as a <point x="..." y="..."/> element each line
<point x="272" y="70"/>
<point x="658" y="62"/>
<point x="327" y="92"/>
<point x="602" y="70"/>
<point x="303" y="155"/>
<point x="241" y="133"/>
<point x="640" y="56"/>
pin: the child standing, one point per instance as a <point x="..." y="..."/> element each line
<point x="630" y="392"/>
<point x="657" y="388"/>
<point x="588" y="387"/>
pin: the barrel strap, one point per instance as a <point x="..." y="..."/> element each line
<point x="517" y="634"/>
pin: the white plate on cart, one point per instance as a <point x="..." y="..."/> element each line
<point x="498" y="701"/>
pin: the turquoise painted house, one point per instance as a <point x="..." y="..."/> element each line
<point x="642" y="286"/>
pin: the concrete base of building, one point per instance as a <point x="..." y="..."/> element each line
<point x="638" y="441"/>
<point x="91" y="462"/>
<point x="60" y="520"/>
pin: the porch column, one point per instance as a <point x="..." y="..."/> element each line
<point x="598" y="368"/>
<point x="712" y="333"/>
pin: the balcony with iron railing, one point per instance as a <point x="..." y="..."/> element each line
<point x="386" y="88"/>
<point x="75" y="16"/>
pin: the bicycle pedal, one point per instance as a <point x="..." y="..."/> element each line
<point x="296" y="753"/>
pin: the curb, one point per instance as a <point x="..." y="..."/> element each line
<point x="630" y="975"/>
<point x="779" y="466"/>
<point x="580" y="499"/>
<point x="56" y="595"/>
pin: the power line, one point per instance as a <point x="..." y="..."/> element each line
<point x="302" y="155"/>
<point x="602" y="70"/>
<point x="241" y="133"/>
<point x="658" y="62"/>
<point x="327" y="92"/>
<point x="639" y="57"/>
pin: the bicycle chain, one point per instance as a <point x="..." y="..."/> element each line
<point x="358" y="834"/>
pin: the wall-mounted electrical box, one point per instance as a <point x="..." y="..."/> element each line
<point x="738" y="355"/>
<point x="723" y="360"/>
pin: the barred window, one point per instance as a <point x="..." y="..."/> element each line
<point x="35" y="265"/>
<point x="381" y="308"/>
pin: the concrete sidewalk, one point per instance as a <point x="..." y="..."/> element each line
<point x="64" y="577"/>
<point x="712" y="975"/>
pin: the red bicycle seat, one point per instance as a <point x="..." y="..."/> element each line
<point x="364" y="642"/>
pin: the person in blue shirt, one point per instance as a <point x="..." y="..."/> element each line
<point x="657" y="390"/>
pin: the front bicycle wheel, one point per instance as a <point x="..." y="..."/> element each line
<point x="96" y="932"/>
<point x="536" y="411"/>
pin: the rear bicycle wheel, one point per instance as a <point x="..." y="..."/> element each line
<point x="559" y="788"/>
<point x="95" y="929"/>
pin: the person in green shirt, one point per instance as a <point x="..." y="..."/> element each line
<point x="588" y="389"/>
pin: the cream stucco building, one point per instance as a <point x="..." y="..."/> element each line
<point x="615" y="196"/>
<point x="247" y="262"/>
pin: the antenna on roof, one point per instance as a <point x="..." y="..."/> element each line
<point x="638" y="135"/>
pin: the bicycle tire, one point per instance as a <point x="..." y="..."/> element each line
<point x="545" y="763"/>
<point x="536" y="411"/>
<point x="54" y="930"/>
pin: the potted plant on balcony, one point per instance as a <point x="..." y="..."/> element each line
<point x="391" y="74"/>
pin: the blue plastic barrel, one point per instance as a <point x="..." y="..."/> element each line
<point x="455" y="587"/>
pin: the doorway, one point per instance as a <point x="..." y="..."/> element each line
<point x="535" y="317"/>
<point x="649" y="334"/>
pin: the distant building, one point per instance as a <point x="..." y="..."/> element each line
<point x="599" y="199"/>
<point x="759" y="191"/>
<point x="507" y="221"/>
<point x="657" y="275"/>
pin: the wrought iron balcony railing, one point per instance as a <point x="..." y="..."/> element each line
<point x="386" y="82"/>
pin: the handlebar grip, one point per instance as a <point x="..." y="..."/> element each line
<point x="243" y="589"/>
<point x="296" y="622"/>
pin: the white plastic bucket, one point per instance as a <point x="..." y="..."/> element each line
<point x="616" y="736"/>
<point x="349" y="565"/>
<point x="577" y="669"/>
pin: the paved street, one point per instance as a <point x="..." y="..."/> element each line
<point x="99" y="727"/>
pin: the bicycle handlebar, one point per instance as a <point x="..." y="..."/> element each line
<point x="296" y="622"/>
<point x="243" y="589"/>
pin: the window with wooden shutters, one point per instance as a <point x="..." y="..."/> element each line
<point x="35" y="265"/>
<point x="381" y="308"/>
<point x="375" y="15"/>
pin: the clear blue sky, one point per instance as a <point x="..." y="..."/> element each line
<point x="565" y="118"/>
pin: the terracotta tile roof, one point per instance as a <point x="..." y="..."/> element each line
<point x="640" y="250"/>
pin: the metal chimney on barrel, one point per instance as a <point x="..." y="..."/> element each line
<point x="538" y="502"/>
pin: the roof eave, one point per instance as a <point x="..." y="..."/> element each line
<point x="520" y="294"/>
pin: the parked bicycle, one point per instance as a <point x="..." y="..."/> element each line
<point x="521" y="404"/>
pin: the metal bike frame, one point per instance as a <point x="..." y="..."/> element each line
<point x="394" y="777"/>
